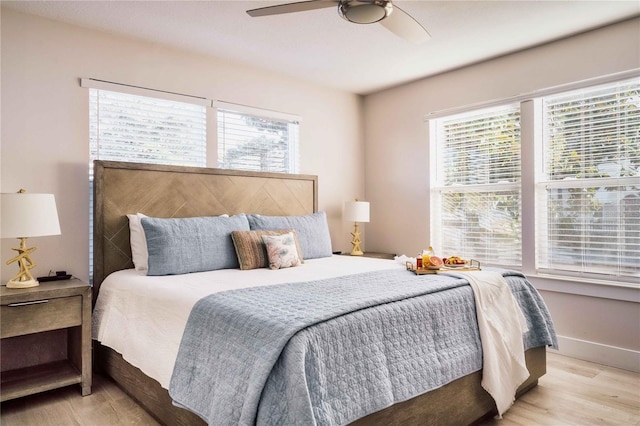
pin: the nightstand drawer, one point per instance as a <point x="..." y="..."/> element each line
<point x="40" y="315"/>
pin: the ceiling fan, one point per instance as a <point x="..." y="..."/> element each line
<point x="385" y="12"/>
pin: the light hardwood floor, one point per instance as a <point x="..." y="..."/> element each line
<point x="573" y="392"/>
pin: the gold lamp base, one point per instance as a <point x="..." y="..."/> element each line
<point x="23" y="284"/>
<point x="355" y="242"/>
<point x="23" y="279"/>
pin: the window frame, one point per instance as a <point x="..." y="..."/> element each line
<point x="293" y="125"/>
<point x="544" y="182"/>
<point x="438" y="188"/>
<point x="532" y="167"/>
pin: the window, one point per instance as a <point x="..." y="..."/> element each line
<point x="475" y="185"/>
<point x="127" y="127"/>
<point x="257" y="140"/>
<point x="588" y="196"/>
<point x="583" y="159"/>
<point x="142" y="129"/>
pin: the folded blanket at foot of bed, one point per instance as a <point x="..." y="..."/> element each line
<point x="501" y="325"/>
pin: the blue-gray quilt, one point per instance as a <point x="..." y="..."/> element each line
<point x="331" y="351"/>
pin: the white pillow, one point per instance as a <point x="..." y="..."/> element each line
<point x="138" y="241"/>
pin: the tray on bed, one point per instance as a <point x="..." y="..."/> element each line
<point x="473" y="265"/>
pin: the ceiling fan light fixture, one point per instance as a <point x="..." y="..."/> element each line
<point x="365" y="12"/>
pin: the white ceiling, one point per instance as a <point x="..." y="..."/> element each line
<point x="321" y="47"/>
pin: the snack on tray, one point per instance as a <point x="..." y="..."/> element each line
<point x="434" y="262"/>
<point x="430" y="260"/>
<point x="455" y="260"/>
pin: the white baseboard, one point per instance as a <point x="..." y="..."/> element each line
<point x="612" y="356"/>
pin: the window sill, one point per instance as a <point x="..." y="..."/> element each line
<point x="615" y="290"/>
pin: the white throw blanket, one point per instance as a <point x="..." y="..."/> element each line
<point x="501" y="324"/>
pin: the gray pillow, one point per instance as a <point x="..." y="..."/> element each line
<point x="195" y="244"/>
<point x="312" y="230"/>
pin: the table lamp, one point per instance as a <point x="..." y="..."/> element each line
<point x="356" y="211"/>
<point x="27" y="215"/>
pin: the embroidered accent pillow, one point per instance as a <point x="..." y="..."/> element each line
<point x="251" y="250"/>
<point x="281" y="250"/>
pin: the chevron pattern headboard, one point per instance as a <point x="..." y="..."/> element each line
<point x="173" y="191"/>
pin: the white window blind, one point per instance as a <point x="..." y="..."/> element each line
<point x="475" y="194"/>
<point x="588" y="196"/>
<point x="256" y="141"/>
<point x="142" y="129"/>
<point x="127" y="127"/>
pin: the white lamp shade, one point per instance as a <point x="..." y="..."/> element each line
<point x="28" y="215"/>
<point x="356" y="211"/>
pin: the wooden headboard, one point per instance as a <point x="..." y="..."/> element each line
<point x="173" y="191"/>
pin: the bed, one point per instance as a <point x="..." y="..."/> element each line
<point x="183" y="192"/>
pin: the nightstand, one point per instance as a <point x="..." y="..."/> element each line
<point x="34" y="324"/>
<point x="374" y="254"/>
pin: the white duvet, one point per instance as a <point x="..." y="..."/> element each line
<point x="143" y="317"/>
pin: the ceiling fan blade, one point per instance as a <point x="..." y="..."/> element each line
<point x="403" y="25"/>
<point x="291" y="7"/>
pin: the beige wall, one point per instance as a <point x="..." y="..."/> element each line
<point x="397" y="180"/>
<point x="45" y="146"/>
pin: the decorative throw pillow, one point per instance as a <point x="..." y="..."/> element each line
<point x="312" y="230"/>
<point x="195" y="244"/>
<point x="281" y="250"/>
<point x="251" y="250"/>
